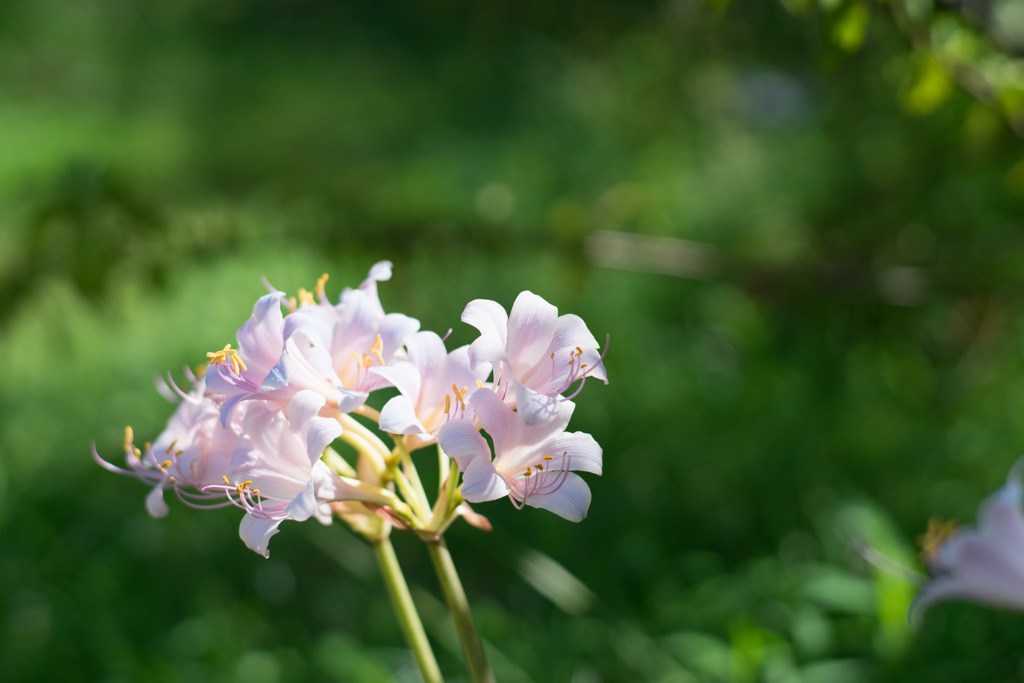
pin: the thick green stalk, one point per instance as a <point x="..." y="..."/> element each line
<point x="455" y="596"/>
<point x="405" y="610"/>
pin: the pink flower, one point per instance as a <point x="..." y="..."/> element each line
<point x="537" y="354"/>
<point x="983" y="564"/>
<point x="319" y="347"/>
<point x="331" y="349"/>
<point x="276" y="472"/>
<point x="191" y="453"/>
<point x="531" y="463"/>
<point x="434" y="386"/>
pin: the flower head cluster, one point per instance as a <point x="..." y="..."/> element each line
<point x="255" y="430"/>
<point x="983" y="564"/>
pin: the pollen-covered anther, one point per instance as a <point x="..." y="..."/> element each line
<point x="460" y="395"/>
<point x="171" y="447"/>
<point x="935" y="536"/>
<point x="227" y="354"/>
<point x="166" y="463"/>
<point x="377" y="349"/>
<point x="320" y="283"/>
<point x="306" y="297"/>
<point x="129" y="437"/>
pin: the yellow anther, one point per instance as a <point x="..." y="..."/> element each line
<point x="936" y="535"/>
<point x="447" y="403"/>
<point x="172" y="480"/>
<point x="225" y="354"/>
<point x="306" y="297"/>
<point x="377" y="349"/>
<point x="136" y="451"/>
<point x="540" y="467"/>
<point x="479" y="384"/>
<point x="320" y="285"/>
<point x="579" y="351"/>
<point x="367" y="361"/>
<point x="552" y="355"/>
<point x="255" y="492"/>
<point x="129" y="436"/>
<point x="458" y="396"/>
<point x="292" y="304"/>
<point x="548" y="457"/>
<point x="528" y="472"/>
<point x="226" y="481"/>
<point x="583" y="365"/>
<point x="171" y="447"/>
<point x="166" y="463"/>
<point x="178" y="452"/>
<point x="243" y="486"/>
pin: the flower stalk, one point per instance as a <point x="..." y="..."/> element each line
<point x="405" y="610"/>
<point x="455" y="596"/>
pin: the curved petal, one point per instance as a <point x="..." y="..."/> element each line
<point x="571" y="500"/>
<point x="304" y="505"/>
<point x="497" y="419"/>
<point x="257" y="531"/>
<point x="404" y="376"/>
<point x="531" y="325"/>
<point x="571" y="331"/>
<point x="156" y="506"/>
<point x="427" y="352"/>
<point x="487" y="349"/>
<point x="534" y="406"/>
<point x="461" y="442"/>
<point x="395" y="330"/>
<point x="581" y="451"/>
<point x="398" y="417"/>
<point x="487" y="316"/>
<point x="480" y="482"/>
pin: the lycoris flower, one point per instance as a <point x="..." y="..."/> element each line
<point x="532" y="462"/>
<point x="537" y="354"/>
<point x="331" y="349"/>
<point x="192" y="453"/>
<point x="983" y="564"/>
<point x="434" y="386"/>
<point x="276" y="472"/>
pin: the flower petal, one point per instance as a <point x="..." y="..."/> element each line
<point x="156" y="506"/>
<point x="398" y="417"/>
<point x="497" y="419"/>
<point x="257" y="531"/>
<point x="571" y="500"/>
<point x="582" y="452"/>
<point x="461" y="441"/>
<point x="481" y="482"/>
<point x="531" y="325"/>
<point x="304" y="505"/>
<point x="534" y="406"/>
<point x="487" y="316"/>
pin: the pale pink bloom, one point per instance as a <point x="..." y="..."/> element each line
<point x="276" y="472"/>
<point x="238" y="374"/>
<point x="434" y="386"/>
<point x="984" y="564"/>
<point x="192" y="452"/>
<point x="319" y="347"/>
<point x="537" y="354"/>
<point x="331" y="349"/>
<point x="531" y="463"/>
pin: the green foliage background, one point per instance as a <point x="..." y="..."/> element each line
<point x="852" y="365"/>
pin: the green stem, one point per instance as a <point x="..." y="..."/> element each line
<point x="455" y="596"/>
<point x="405" y="610"/>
